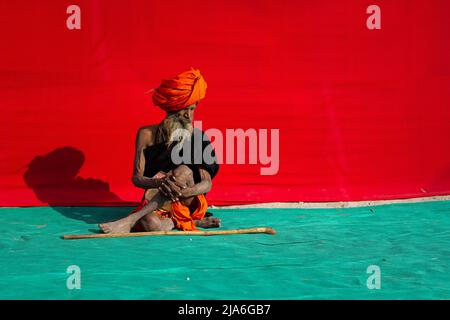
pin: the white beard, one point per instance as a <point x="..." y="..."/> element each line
<point x="173" y="129"/>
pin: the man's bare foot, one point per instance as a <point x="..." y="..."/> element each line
<point x="208" y="222"/>
<point x="119" y="226"/>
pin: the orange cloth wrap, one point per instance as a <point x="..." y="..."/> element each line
<point x="180" y="92"/>
<point x="183" y="219"/>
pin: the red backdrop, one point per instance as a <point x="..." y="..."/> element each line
<point x="363" y="114"/>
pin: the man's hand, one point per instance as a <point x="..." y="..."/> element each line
<point x="175" y="190"/>
<point x="171" y="188"/>
<point x="188" y="192"/>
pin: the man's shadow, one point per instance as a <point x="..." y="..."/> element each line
<point x="53" y="178"/>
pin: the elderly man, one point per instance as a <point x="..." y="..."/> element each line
<point x="174" y="192"/>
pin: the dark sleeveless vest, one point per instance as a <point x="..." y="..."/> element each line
<point x="158" y="157"/>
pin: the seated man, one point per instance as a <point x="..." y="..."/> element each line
<point x="174" y="194"/>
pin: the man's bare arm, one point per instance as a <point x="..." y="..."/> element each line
<point x="143" y="140"/>
<point x="202" y="187"/>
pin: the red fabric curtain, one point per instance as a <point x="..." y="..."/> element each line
<point x="362" y="114"/>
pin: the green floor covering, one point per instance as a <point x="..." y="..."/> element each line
<point x="316" y="254"/>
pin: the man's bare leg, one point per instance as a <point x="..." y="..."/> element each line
<point x="149" y="220"/>
<point x="125" y="225"/>
<point x="184" y="176"/>
<point x="208" y="222"/>
<point x="152" y="221"/>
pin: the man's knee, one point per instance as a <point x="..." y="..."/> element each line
<point x="184" y="174"/>
<point x="151" y="222"/>
<point x="182" y="170"/>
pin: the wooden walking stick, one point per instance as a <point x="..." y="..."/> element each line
<point x="266" y="230"/>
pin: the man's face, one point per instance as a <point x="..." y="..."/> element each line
<point x="186" y="115"/>
<point x="174" y="121"/>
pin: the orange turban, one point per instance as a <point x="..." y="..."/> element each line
<point x="182" y="91"/>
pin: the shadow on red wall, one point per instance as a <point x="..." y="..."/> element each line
<point x="54" y="179"/>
